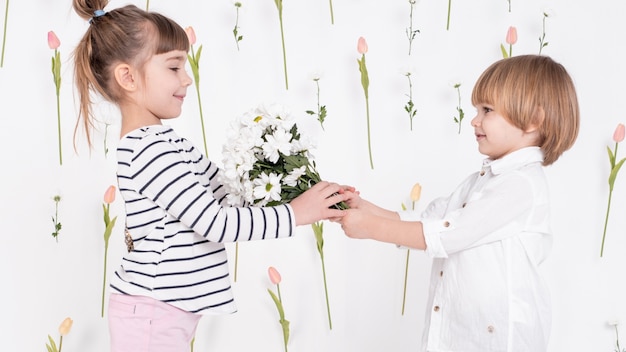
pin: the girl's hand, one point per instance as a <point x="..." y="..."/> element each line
<point x="317" y="203"/>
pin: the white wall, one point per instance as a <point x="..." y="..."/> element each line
<point x="43" y="280"/>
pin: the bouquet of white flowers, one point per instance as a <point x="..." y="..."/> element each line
<point x="266" y="162"/>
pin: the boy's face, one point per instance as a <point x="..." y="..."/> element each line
<point x="497" y="136"/>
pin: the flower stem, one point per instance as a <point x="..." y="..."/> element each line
<point x="60" y="343"/>
<point x="206" y="150"/>
<point x="606" y="221"/>
<point x="406" y="275"/>
<point x="448" y="23"/>
<point x="332" y="16"/>
<point x="4" y="36"/>
<point x="282" y="37"/>
<point x="369" y="144"/>
<point x="147" y="4"/>
<point x="59" y="128"/>
<point x="410" y="33"/>
<point x="330" y="323"/>
<point x="236" y="26"/>
<point x="104" y="277"/>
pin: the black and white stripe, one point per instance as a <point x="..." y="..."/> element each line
<point x="175" y="215"/>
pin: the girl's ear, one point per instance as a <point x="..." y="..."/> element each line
<point x="124" y="77"/>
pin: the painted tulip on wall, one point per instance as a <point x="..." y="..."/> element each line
<point x="64" y="329"/>
<point x="194" y="62"/>
<point x="275" y="278"/>
<point x="109" y="224"/>
<point x="511" y="39"/>
<point x="362" y="48"/>
<point x="54" y="43"/>
<point x="618" y="137"/>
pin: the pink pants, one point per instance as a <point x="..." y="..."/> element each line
<point x="143" y="324"/>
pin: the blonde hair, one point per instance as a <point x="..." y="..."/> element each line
<point x="533" y="90"/>
<point x="123" y="35"/>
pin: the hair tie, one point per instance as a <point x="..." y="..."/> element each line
<point x="97" y="14"/>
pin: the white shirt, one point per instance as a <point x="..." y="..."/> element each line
<point x="487" y="240"/>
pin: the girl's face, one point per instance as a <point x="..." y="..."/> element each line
<point x="166" y="82"/>
<point x="496" y="136"/>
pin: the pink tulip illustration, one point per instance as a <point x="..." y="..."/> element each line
<point x="284" y="323"/>
<point x="109" y="224"/>
<point x="365" y="82"/>
<point x="618" y="136"/>
<point x="4" y="35"/>
<point x="194" y="62"/>
<point x="511" y="39"/>
<point x="54" y="43"/>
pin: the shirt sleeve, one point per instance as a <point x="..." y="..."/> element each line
<point x="499" y="210"/>
<point x="165" y="176"/>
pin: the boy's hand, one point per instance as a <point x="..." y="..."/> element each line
<point x="317" y="203"/>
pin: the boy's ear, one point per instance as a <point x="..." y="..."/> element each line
<point x="538" y="118"/>
<point x="124" y="77"/>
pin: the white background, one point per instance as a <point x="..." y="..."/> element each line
<point x="44" y="280"/>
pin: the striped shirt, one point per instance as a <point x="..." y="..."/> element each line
<point x="176" y="217"/>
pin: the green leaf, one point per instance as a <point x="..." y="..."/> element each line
<point x="278" y="303"/>
<point x="108" y="230"/>
<point x="318" y="231"/>
<point x="285" y="325"/>
<point x="504" y="53"/>
<point x="614" y="172"/>
<point x="611" y="157"/>
<point x="198" y="54"/>
<point x="365" y="81"/>
<point x="52" y="347"/>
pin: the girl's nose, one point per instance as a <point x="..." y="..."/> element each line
<point x="475" y="121"/>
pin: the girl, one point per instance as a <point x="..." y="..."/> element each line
<point x="176" y="267"/>
<point x="489" y="236"/>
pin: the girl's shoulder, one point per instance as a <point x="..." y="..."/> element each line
<point x="148" y="134"/>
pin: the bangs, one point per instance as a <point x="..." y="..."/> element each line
<point x="169" y="35"/>
<point x="489" y="84"/>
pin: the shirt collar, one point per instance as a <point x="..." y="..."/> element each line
<point x="514" y="160"/>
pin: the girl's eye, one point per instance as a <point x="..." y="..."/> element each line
<point x="487" y="109"/>
<point x="175" y="69"/>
